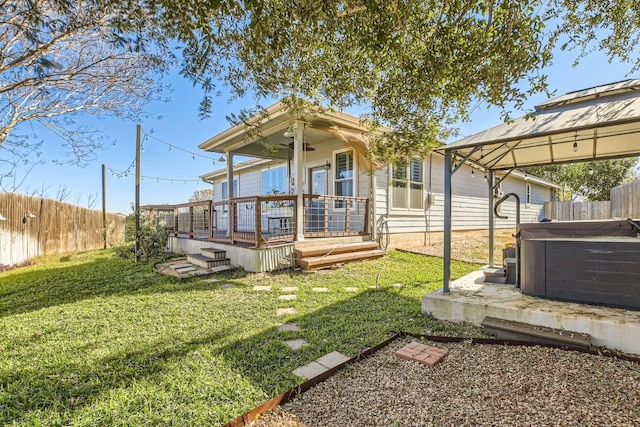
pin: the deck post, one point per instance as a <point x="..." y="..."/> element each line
<point x="447" y="222"/>
<point x="298" y="148"/>
<point x="491" y="182"/>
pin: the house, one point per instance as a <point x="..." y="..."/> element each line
<point x="308" y="182"/>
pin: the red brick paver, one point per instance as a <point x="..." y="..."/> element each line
<point x="422" y="353"/>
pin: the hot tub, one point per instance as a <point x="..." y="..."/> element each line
<point x="596" y="262"/>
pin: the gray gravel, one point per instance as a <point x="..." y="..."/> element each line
<point x="474" y="385"/>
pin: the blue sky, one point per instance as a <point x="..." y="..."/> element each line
<point x="180" y="126"/>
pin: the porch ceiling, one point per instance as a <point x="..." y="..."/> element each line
<point x="263" y="134"/>
<point x="598" y="123"/>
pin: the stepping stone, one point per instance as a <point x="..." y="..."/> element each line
<point x="185" y="269"/>
<point x="332" y="359"/>
<point x="227" y="286"/>
<point x="311" y="370"/>
<point x="199" y="272"/>
<point x="288" y="297"/>
<point x="262" y="288"/>
<point x="398" y="285"/>
<point x="285" y="311"/>
<point x="351" y="289"/>
<point x="422" y="353"/>
<point x="289" y="327"/>
<point x="290" y="289"/>
<point x="320" y="289"/>
<point x="177" y="266"/>
<point x="296" y="344"/>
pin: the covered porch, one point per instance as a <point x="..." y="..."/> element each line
<point x="260" y="221"/>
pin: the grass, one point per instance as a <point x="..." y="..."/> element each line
<point x="89" y="339"/>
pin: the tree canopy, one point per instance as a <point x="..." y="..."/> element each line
<point x="589" y="181"/>
<point x="418" y="65"/>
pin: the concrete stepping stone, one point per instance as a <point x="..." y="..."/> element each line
<point x="262" y="288"/>
<point x="296" y="344"/>
<point x="398" y="285"/>
<point x="285" y="311"/>
<point x="309" y="371"/>
<point x="182" y="265"/>
<point x="320" y="289"/>
<point x="289" y="327"/>
<point x="290" y="289"/>
<point x="288" y="297"/>
<point x="185" y="269"/>
<point x="227" y="286"/>
<point x="332" y="359"/>
<point x="351" y="289"/>
<point x="199" y="272"/>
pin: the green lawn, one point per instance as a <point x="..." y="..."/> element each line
<point x="92" y="339"/>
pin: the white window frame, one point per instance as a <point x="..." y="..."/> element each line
<point x="334" y="171"/>
<point x="408" y="182"/>
<point x="274" y="167"/>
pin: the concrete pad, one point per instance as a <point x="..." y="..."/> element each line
<point x="311" y="370"/>
<point x="332" y="359"/>
<point x="398" y="285"/>
<point x="471" y="300"/>
<point x="285" y="311"/>
<point x="351" y="289"/>
<point x="289" y="297"/>
<point x="290" y="289"/>
<point x="262" y="288"/>
<point x="320" y="289"/>
<point x="296" y="344"/>
<point x="227" y="286"/>
<point x="181" y="265"/>
<point x="289" y="327"/>
<point x="185" y="269"/>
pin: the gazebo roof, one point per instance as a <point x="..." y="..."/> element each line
<point x="601" y="122"/>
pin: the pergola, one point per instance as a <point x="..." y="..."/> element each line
<point x="598" y="123"/>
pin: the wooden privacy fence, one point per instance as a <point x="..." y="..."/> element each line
<point x="625" y="200"/>
<point x="36" y="226"/>
<point x="625" y="203"/>
<point x="574" y="211"/>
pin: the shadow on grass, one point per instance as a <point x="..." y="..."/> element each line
<point x="34" y="289"/>
<point x="349" y="325"/>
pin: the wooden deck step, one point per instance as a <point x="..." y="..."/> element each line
<point x="206" y="262"/>
<point x="314" y="251"/>
<point x="311" y="263"/>
<point x="214" y="252"/>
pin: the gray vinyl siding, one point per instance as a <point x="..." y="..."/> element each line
<point x="470" y="206"/>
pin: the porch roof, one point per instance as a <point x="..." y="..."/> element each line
<point x="597" y="123"/>
<point x="262" y="135"/>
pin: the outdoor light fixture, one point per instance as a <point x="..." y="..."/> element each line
<point x="2" y="218"/>
<point x="575" y="143"/>
<point x="327" y="165"/>
<point x="473" y="174"/>
<point x="289" y="133"/>
<point x="222" y="159"/>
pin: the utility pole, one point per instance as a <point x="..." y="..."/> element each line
<point x="137" y="202"/>
<point x="104" y="204"/>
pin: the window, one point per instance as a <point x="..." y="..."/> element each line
<point x="274" y="181"/>
<point x="225" y="189"/>
<point x="407" y="186"/>
<point x="344" y="175"/>
<point x="527" y="196"/>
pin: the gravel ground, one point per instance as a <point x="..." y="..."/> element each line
<point x="479" y="385"/>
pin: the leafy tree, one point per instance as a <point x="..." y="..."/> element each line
<point x="201" y="195"/>
<point x="591" y="181"/>
<point x="61" y="59"/>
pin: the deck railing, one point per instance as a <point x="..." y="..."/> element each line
<point x="335" y="216"/>
<point x="260" y="220"/>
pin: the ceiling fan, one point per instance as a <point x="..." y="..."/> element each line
<point x="305" y="146"/>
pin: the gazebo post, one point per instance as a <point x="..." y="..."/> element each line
<point x="447" y="222"/>
<point x="491" y="182"/>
